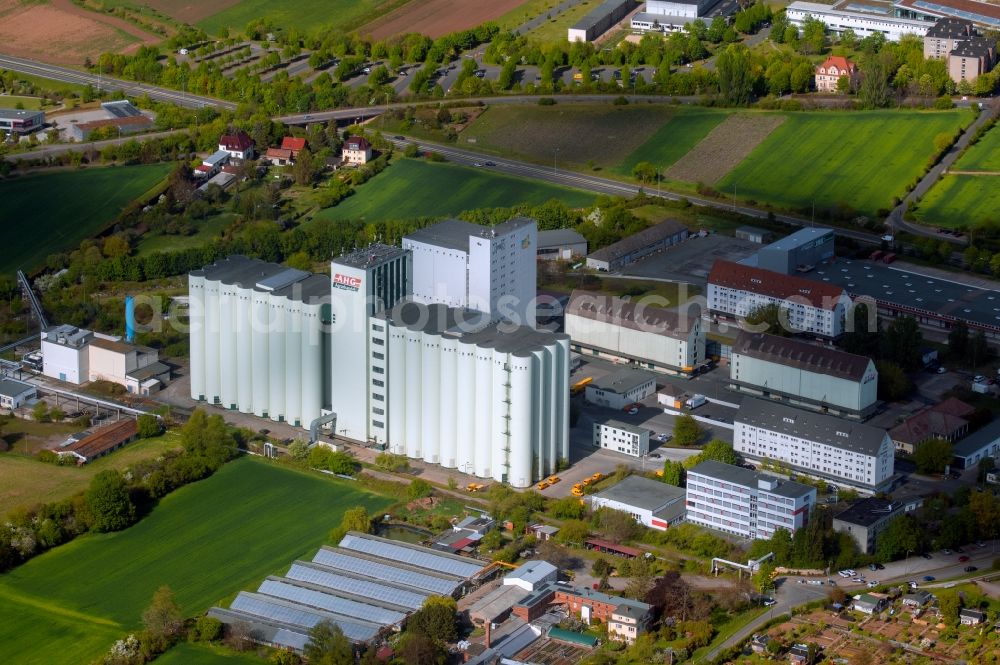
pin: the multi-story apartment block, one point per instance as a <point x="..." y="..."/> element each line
<point x="745" y="503"/>
<point x="735" y="290"/>
<point x="956" y="41"/>
<point x="815" y="444"/>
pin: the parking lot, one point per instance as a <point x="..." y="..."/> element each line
<point x="692" y="260"/>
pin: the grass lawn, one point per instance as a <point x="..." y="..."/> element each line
<point x="414" y="188"/>
<point x="984" y="155"/>
<point x="28" y="103"/>
<point x="28" y="481"/>
<point x="52" y="212"/>
<point x="584" y="135"/>
<point x="961" y="200"/>
<point x="555" y="29"/>
<point x="728" y="629"/>
<point x="860" y="159"/>
<point x="187" y="653"/>
<point x="674" y="139"/>
<point x="309" y="16"/>
<point x="206" y="541"/>
<point x="525" y="12"/>
<point x="206" y="230"/>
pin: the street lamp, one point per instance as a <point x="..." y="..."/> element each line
<point x="554" y="156"/>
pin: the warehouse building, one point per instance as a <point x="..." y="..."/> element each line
<point x="77" y="355"/>
<point x="621" y="388"/>
<point x="653" y="504"/>
<point x="622" y="438"/>
<point x="531" y="575"/>
<point x="600" y="20"/>
<point x="669" y="15"/>
<point x="739" y="501"/>
<point x="258" y="339"/>
<point x="815" y="444"/>
<point x="976" y="447"/>
<point x="102" y="441"/>
<point x="754" y="234"/>
<point x="869" y="517"/>
<point x="820" y="378"/>
<point x="489" y="269"/>
<point x="799" y="252"/>
<point x="563" y="244"/>
<point x="656" y="338"/>
<point x="13" y="394"/>
<point x="735" y="290"/>
<point x="367" y="586"/>
<point x="114" y="127"/>
<point x="628" y="250"/>
<point x="457" y="390"/>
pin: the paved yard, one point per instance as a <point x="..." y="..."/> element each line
<point x="691" y="260"/>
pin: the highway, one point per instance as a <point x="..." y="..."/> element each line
<point x="67" y="75"/>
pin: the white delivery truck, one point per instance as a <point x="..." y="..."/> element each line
<point x="695" y="401"/>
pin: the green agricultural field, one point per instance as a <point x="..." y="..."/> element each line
<point x="412" y="188"/>
<point x="309" y="16"/>
<point x="554" y="30"/>
<point x="674" y="139"/>
<point x="205" y="230"/>
<point x="961" y="200"/>
<point x="575" y="136"/>
<point x="857" y="160"/>
<point x="53" y="212"/>
<point x="48" y="84"/>
<point x="206" y="541"/>
<point x="984" y="155"/>
<point x="29" y="103"/>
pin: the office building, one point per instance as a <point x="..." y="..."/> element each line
<point x="815" y="444"/>
<point x="869" y="517"/>
<point x="622" y="438"/>
<point x="653" y="504"/>
<point x="821" y="378"/>
<point x="19" y="121"/>
<point x="489" y="269"/>
<point x="745" y="503"/>
<point x="816" y="308"/>
<point x="619" y="329"/>
<point x="457" y="390"/>
<point x="865" y="19"/>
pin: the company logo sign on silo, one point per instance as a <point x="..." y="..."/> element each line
<point x="346" y="282"/>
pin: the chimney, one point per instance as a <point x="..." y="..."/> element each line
<point x="489" y="625"/>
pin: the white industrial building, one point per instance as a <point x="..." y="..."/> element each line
<point x="622" y="438"/>
<point x="531" y="575"/>
<point x="817" y="308"/>
<point x="258" y="340"/>
<point x="669" y="16"/>
<point x="13" y="394"/>
<point x="561" y="244"/>
<point x="803" y="374"/>
<point x="480" y="397"/>
<point x="648" y="336"/>
<point x="491" y="269"/>
<point x="814" y="444"/>
<point x="600" y="20"/>
<point x="365" y="283"/>
<point x="652" y="503"/>
<point x="77" y="355"/>
<point x="863" y="19"/>
<point x="621" y="388"/>
<point x="745" y="503"/>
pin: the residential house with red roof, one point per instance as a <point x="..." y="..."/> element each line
<point x="815" y="308"/>
<point x="829" y="73"/>
<point x="290" y="148"/>
<point x="357" y="150"/>
<point x="239" y="145"/>
<point x="948" y="420"/>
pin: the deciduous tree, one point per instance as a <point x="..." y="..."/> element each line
<point x="108" y="502"/>
<point x="328" y="646"/>
<point x="687" y="431"/>
<point x="933" y="456"/>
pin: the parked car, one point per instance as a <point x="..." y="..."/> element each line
<point x="844" y="573"/>
<point x="927" y="555"/>
<point x="929" y="578"/>
<point x="963" y="558"/>
<point x="971" y="569"/>
<point x="979" y="378"/>
<point x="945" y="551"/>
<point x="872" y="584"/>
<point x="768" y="602"/>
<point x="913" y="584"/>
<point x="491" y="163"/>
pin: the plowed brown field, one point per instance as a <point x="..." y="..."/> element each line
<point x="726" y="145"/>
<point x="437" y="17"/>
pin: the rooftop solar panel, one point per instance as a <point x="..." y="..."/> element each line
<point x="330" y="603"/>
<point x="961" y="13"/>
<point x="411" y="555"/>
<point x="385" y="572"/>
<point x="358" y="587"/>
<point x="284" y="612"/>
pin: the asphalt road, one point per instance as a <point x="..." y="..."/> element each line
<point x="108" y="83"/>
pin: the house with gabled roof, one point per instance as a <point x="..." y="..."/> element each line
<point x="357" y="150"/>
<point x="238" y="145"/>
<point x="829" y="73"/>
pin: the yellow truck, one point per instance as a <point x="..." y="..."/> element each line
<point x="580" y="385"/>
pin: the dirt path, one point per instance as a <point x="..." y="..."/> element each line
<point x="959" y="172"/>
<point x="110" y="21"/>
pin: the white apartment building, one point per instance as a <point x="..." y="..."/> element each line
<point x="745" y="503"/>
<point x="365" y="283"/>
<point x="452" y="388"/>
<point x="623" y="330"/>
<point x="258" y="340"/>
<point x="816" y="308"/>
<point x="622" y="438"/>
<point x="489" y="269"/>
<point x="815" y="444"/>
<point x="839" y="17"/>
<point x="813" y="376"/>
